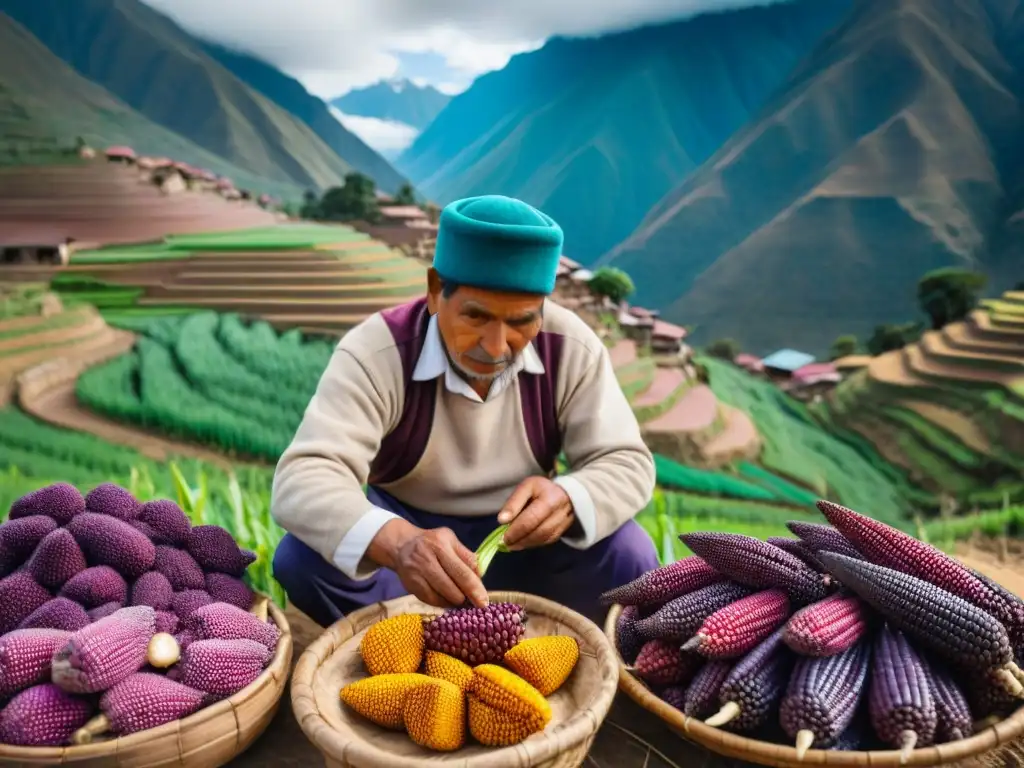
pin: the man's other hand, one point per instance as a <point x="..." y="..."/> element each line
<point x="538" y="512"/>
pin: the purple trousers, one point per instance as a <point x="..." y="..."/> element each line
<point x="572" y="577"/>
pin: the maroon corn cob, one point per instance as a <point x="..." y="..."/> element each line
<point x="827" y="627"/>
<point x="702" y="693"/>
<point x="884" y="545"/>
<point x="661" y="663"/>
<point x="952" y="627"/>
<point x="823" y="695"/>
<point x="750" y="694"/>
<point x="679" y="619"/>
<point x="953" y="714"/>
<point x="738" y="627"/>
<point x="758" y="564"/>
<point x="797" y="549"/>
<point x="627" y="638"/>
<point x="819" y="537"/>
<point x="987" y="696"/>
<point x="900" y="701"/>
<point x="665" y="583"/>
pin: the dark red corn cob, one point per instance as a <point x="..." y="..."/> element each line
<point x="627" y="639"/>
<point x="758" y="564"/>
<point x="986" y="695"/>
<point x="953" y="714"/>
<point x="953" y="628"/>
<point x="680" y="619"/>
<point x="661" y="663"/>
<point x="703" y="691"/>
<point x="750" y="695"/>
<point x="665" y="583"/>
<point x="797" y="549"/>
<point x="900" y="701"/>
<point x="738" y="627"/>
<point x="827" y="627"/>
<point x="884" y="545"/>
<point x="674" y="696"/>
<point x="823" y="696"/>
<point x="819" y="537"/>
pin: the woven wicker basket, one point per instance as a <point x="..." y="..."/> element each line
<point x="208" y="739"/>
<point x="767" y="753"/>
<point x="349" y="741"/>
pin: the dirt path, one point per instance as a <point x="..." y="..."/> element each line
<point x="695" y="411"/>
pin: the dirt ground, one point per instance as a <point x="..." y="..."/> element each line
<point x="630" y="736"/>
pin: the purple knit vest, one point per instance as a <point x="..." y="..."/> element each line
<point x="403" y="447"/>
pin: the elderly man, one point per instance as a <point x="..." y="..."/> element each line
<point x="450" y="412"/>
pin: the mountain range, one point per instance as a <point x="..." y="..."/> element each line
<point x="399" y="101"/>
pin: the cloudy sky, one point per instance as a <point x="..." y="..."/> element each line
<point x="333" y="46"/>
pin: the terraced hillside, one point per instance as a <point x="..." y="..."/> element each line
<point x="949" y="409"/>
<point x="100" y="202"/>
<point x="320" y="279"/>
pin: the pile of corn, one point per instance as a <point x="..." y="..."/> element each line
<point x="436" y="697"/>
<point x="118" y="616"/>
<point x="852" y="636"/>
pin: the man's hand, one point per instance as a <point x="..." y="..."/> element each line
<point x="538" y="512"/>
<point x="432" y="564"/>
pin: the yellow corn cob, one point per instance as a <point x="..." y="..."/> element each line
<point x="381" y="698"/>
<point x="393" y="646"/>
<point x="510" y="694"/>
<point x="446" y="667"/>
<point x="496" y="729"/>
<point x="435" y="715"/>
<point x="544" y="662"/>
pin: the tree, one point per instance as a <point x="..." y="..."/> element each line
<point x="310" y="208"/>
<point x="611" y="282"/>
<point x="356" y="199"/>
<point x="887" y="338"/>
<point x="948" y="295"/>
<point x="724" y="349"/>
<point x="406" y="195"/>
<point x="843" y="346"/>
<point x="1019" y="286"/>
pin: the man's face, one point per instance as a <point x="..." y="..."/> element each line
<point x="484" y="331"/>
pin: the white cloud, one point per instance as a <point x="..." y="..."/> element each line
<point x="387" y="136"/>
<point x="335" y="46"/>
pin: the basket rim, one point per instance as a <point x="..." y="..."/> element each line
<point x="571" y="734"/>
<point x="277" y="668"/>
<point x="766" y="752"/>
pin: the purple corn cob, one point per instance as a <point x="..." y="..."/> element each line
<point x="758" y="564"/>
<point x="1015" y="631"/>
<point x="221" y="621"/>
<point x="167" y="622"/>
<point x="674" y="696"/>
<point x="953" y="714"/>
<point x="57" y="558"/>
<point x="19" y="597"/>
<point x="827" y="627"/>
<point x="856" y="737"/>
<point x="751" y="693"/>
<point x="661" y="663"/>
<point x="228" y="589"/>
<point x="900" y="702"/>
<point x="96" y="586"/>
<point x="43" y="716"/>
<point x="25" y="656"/>
<point x="222" y="667"/>
<point x="184" y="603"/>
<point x="102" y="611"/>
<point x="59" y="613"/>
<point x="113" y="500"/>
<point x="106" y="652"/>
<point x="952" y="627"/>
<point x="145" y="700"/>
<point x="797" y="549"/>
<point x="703" y="692"/>
<point x="737" y="628"/>
<point x="680" y="619"/>
<point x="166" y="520"/>
<point x="884" y="545"/>
<point x="153" y="589"/>
<point x="987" y="696"/>
<point x="823" y="696"/>
<point x="215" y="550"/>
<point x="20" y="537"/>
<point x="105" y="540"/>
<point x="60" y="502"/>
<point x="627" y="639"/>
<point x="665" y="583"/>
<point x="184" y="638"/>
<point x="819" y="537"/>
<point x="181" y="570"/>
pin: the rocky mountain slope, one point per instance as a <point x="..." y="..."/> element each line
<point x="400" y="101"/>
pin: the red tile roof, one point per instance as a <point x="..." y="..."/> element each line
<point x="120" y="151"/>
<point x="669" y="331"/>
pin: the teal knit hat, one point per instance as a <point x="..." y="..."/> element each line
<point x="498" y="243"/>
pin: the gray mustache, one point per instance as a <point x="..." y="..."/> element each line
<point x="485" y="359"/>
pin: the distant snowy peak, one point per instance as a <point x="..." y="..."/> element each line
<point x="397" y="100"/>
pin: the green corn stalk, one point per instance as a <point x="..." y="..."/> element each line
<point x="492" y="545"/>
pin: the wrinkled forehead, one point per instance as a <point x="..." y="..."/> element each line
<point x="497" y="305"/>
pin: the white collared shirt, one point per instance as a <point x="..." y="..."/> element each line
<point x="433" y="362"/>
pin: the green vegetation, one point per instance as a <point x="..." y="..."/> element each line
<point x="613" y="283"/>
<point x="843" y="346"/>
<point x="21" y="299"/>
<point x="355" y="200"/>
<point x="83" y="289"/>
<point x="948" y="295"/>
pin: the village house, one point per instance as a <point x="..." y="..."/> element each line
<point x="56" y="254"/>
<point x="810" y="382"/>
<point x="750" y="363"/>
<point x="120" y="154"/>
<point x="779" y="366"/>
